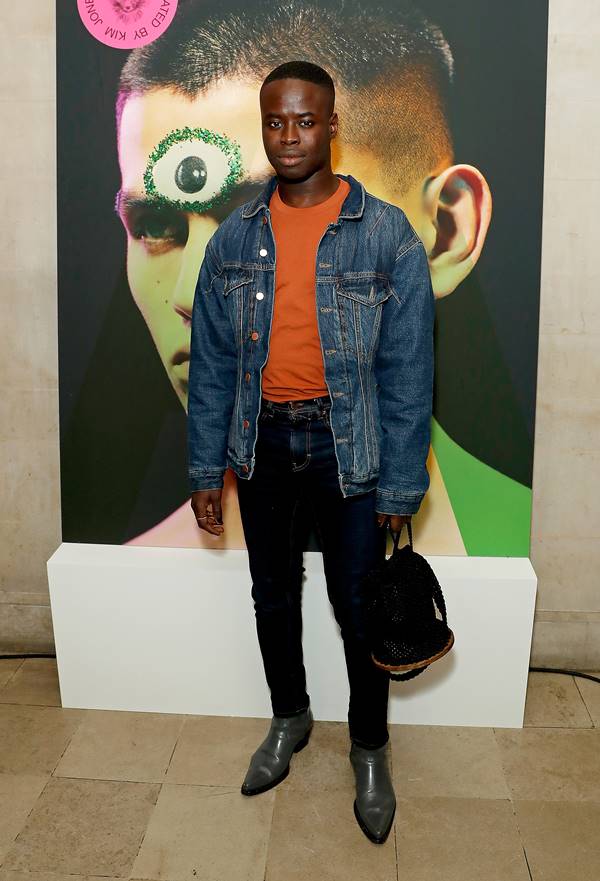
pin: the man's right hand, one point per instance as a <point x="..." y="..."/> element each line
<point x="206" y="505"/>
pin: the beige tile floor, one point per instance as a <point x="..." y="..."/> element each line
<point x="89" y="794"/>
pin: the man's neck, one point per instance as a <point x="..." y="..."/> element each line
<point x="310" y="191"/>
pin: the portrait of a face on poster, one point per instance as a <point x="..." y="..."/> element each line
<point x="441" y="112"/>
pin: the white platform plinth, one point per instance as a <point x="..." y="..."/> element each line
<point x="172" y="630"/>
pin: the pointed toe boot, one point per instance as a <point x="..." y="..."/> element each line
<point x="270" y="764"/>
<point x="375" y="803"/>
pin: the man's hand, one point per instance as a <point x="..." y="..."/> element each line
<point x="396" y="521"/>
<point x="206" y="505"/>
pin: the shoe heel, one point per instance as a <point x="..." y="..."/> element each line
<point x="302" y="743"/>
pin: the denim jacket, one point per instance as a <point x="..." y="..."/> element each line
<point x="375" y="314"/>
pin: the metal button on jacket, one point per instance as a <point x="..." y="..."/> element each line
<point x="263" y="252"/>
<point x="259" y="295"/>
<point x="254" y="335"/>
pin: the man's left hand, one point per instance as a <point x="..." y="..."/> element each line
<point x="396" y="521"/>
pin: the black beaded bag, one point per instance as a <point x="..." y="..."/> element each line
<point x="401" y="596"/>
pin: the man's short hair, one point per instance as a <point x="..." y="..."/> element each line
<point x="306" y="71"/>
<point x="392" y="67"/>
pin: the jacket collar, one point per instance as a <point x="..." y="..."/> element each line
<point x="353" y="205"/>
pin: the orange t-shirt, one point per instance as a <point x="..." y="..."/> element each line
<point x="294" y="368"/>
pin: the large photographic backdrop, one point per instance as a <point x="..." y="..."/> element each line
<point x="442" y="110"/>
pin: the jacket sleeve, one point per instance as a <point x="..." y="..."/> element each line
<point x="212" y="379"/>
<point x="404" y="375"/>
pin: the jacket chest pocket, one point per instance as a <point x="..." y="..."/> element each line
<point x="360" y="305"/>
<point x="238" y="284"/>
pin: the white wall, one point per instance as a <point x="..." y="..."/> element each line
<point x="29" y="459"/>
<point x="565" y="549"/>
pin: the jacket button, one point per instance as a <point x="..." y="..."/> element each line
<point x="247" y="377"/>
<point x="245" y="468"/>
<point x="254" y="335"/>
<point x="245" y="423"/>
<point x="259" y="295"/>
<point x="263" y="252"/>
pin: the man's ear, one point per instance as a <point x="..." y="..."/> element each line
<point x="458" y="209"/>
<point x="333" y="125"/>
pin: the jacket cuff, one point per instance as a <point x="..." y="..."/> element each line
<point x="391" y="502"/>
<point x="205" y="479"/>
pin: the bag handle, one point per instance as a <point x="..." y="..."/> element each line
<point x="396" y="535"/>
<point x="437" y="595"/>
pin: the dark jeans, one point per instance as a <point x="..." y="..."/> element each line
<point x="296" y="480"/>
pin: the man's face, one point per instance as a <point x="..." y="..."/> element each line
<point x="165" y="244"/>
<point x="297" y="127"/>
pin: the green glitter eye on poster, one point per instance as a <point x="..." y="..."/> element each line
<point x="193" y="169"/>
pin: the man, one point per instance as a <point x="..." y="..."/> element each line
<point x="392" y="83"/>
<point x="311" y="378"/>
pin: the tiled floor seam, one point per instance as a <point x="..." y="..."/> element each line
<point x="229" y="786"/>
<point x="518" y="828"/>
<point x="14" y="673"/>
<point x="527" y="861"/>
<point x="587" y="709"/>
<point x="10" y="846"/>
<point x="143" y="838"/>
<point x="268" y="847"/>
<point x="68" y="744"/>
<point x="183" y="721"/>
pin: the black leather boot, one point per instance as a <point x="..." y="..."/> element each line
<point x="375" y="803"/>
<point x="270" y="764"/>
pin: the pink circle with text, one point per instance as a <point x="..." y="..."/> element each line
<point x="126" y="24"/>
